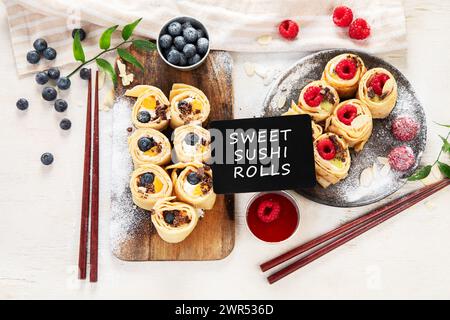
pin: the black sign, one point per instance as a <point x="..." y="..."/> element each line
<point x="262" y="154"/>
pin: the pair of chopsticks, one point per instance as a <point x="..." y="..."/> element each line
<point x="90" y="201"/>
<point x="347" y="232"/>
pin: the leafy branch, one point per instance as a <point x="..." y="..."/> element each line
<point x="425" y="171"/>
<point x="105" y="45"/>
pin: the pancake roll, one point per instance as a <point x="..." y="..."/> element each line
<point x="149" y="146"/>
<point x="192" y="144"/>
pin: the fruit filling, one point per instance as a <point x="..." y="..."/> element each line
<point x="377" y="83"/>
<point x="347" y="113"/>
<point x="316" y="96"/>
<point x="149" y="146"/>
<point x="148" y="183"/>
<point x="152" y="110"/>
<point x="198" y="183"/>
<point x="176" y="218"/>
<point x="269" y="210"/>
<point x="189" y="109"/>
<point x="346" y="69"/>
<point x="326" y="149"/>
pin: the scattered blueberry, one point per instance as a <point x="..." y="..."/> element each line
<point x="189" y="50"/>
<point x="186" y="25"/>
<point x="191" y="139"/>
<point x="190" y="34"/>
<point x="193" y="178"/>
<point x="61" y="105"/>
<point x="146" y="179"/>
<point x="82" y="33"/>
<point x="173" y="57"/>
<point x="179" y="43"/>
<point x="194" y="60"/>
<point x="63" y="83"/>
<point x="33" y="57"/>
<point x="41" y="77"/>
<point x="53" y="73"/>
<point x="22" y="104"/>
<point x="47" y="159"/>
<point x="65" y="124"/>
<point x="85" y="73"/>
<point x="169" y="217"/>
<point x="40" y="45"/>
<point x="200" y="33"/>
<point x="145" y="144"/>
<point x="49" y="94"/>
<point x="174" y="29"/>
<point x="144" y="116"/>
<point x="183" y="60"/>
<point x="49" y="54"/>
<point x="202" y="45"/>
<point x="165" y="41"/>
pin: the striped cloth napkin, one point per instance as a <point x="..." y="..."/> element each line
<point x="233" y="25"/>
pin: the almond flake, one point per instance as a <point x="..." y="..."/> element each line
<point x="281" y="102"/>
<point x="261" y="71"/>
<point x="383" y="160"/>
<point x="249" y="69"/>
<point x="385" y="170"/>
<point x="366" y="177"/>
<point x="264" y="39"/>
<point x="360" y="121"/>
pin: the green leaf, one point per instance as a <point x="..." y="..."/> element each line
<point x="145" y="45"/>
<point x="442" y="125"/>
<point x="78" y="52"/>
<point x="108" y="68"/>
<point x="445" y="169"/>
<point x="128" y="30"/>
<point x="420" y="174"/>
<point x="105" y="39"/>
<point x="125" y="55"/>
<point x="446" y="145"/>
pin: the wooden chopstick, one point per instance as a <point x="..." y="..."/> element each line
<point x="388" y="213"/>
<point x="95" y="190"/>
<point x="84" y="228"/>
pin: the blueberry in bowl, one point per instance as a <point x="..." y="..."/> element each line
<point x="183" y="43"/>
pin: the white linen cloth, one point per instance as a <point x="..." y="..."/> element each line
<point x="234" y="25"/>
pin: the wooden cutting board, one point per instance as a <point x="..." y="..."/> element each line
<point x="133" y="237"/>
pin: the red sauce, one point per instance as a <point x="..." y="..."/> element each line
<point x="281" y="228"/>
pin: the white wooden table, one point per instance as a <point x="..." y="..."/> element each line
<point x="407" y="257"/>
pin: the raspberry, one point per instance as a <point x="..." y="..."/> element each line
<point x="404" y="128"/>
<point x="288" y="29"/>
<point x="342" y="16"/>
<point x="269" y="211"/>
<point x="347" y="114"/>
<point x="377" y="83"/>
<point x="313" y="97"/>
<point x="326" y="149"/>
<point x="401" y="158"/>
<point x="346" y="69"/>
<point x="359" y="29"/>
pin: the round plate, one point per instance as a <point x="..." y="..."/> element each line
<point x="349" y="192"/>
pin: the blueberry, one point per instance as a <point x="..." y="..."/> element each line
<point x="200" y="33"/>
<point x="49" y="94"/>
<point x="85" y="73"/>
<point x="47" y="159"/>
<point x="82" y="33"/>
<point x="40" y="45"/>
<point x="22" y="104"/>
<point x="61" y="105"/>
<point x="63" y="83"/>
<point x="53" y="73"/>
<point x="191" y="139"/>
<point x="183" y="60"/>
<point x="33" y="57"/>
<point x="174" y="29"/>
<point x="49" y="54"/>
<point x="41" y="77"/>
<point x="173" y="57"/>
<point x="202" y="46"/>
<point x="169" y="217"/>
<point x="186" y="25"/>
<point x="179" y="43"/>
<point x="189" y="50"/>
<point x="190" y="35"/>
<point x="146" y="144"/>
<point x="144" y="116"/>
<point x="165" y="41"/>
<point x="194" y="60"/>
<point x="146" y="179"/>
<point x="65" y="124"/>
<point x="193" y="178"/>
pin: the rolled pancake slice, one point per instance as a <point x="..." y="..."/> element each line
<point x="317" y="129"/>
<point x="151" y="109"/>
<point x="192" y="143"/>
<point x="149" y="146"/>
<point x="188" y="105"/>
<point x="193" y="184"/>
<point x="352" y="121"/>
<point x="343" y="73"/>
<point x="148" y="184"/>
<point x="318" y="99"/>
<point x="378" y="90"/>
<point x="174" y="221"/>
<point x="332" y="159"/>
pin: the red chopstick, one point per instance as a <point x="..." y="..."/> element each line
<point x="387" y="212"/>
<point x="84" y="228"/>
<point x="95" y="190"/>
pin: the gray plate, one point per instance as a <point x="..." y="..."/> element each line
<point x="349" y="193"/>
